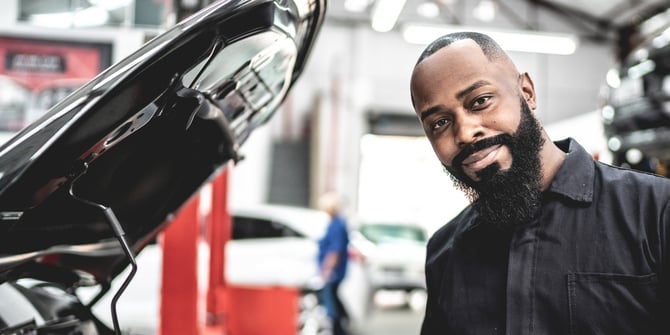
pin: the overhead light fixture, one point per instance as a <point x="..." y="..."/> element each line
<point x="428" y="9"/>
<point x="485" y="11"/>
<point x="661" y="40"/>
<point x="510" y="40"/>
<point x="641" y="69"/>
<point x="612" y="78"/>
<point x="385" y="14"/>
<point x="110" y="4"/>
<point x="356" y="6"/>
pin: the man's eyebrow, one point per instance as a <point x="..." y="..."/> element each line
<point x="430" y="111"/>
<point x="471" y="88"/>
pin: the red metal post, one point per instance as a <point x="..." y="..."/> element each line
<point x="219" y="232"/>
<point x="179" y="289"/>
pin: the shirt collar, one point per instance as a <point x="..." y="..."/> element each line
<point x="574" y="179"/>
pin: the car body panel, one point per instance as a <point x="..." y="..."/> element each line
<point x="395" y="254"/>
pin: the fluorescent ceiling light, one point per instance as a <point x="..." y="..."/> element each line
<point x="110" y="4"/>
<point x="523" y="41"/>
<point x="356" y="6"/>
<point x="385" y="14"/>
<point x="485" y="11"/>
<point x="428" y="9"/>
<point x="612" y="78"/>
<point x="641" y="69"/>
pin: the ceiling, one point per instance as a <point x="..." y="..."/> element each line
<point x="594" y="19"/>
<point x="609" y="21"/>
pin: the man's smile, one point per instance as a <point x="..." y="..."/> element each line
<point x="481" y="159"/>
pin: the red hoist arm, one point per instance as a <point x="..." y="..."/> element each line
<point x="185" y="308"/>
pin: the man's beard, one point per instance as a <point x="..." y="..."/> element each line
<point x="505" y="198"/>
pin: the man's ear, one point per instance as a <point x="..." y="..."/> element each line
<point x="528" y="90"/>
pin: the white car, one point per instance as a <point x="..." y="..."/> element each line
<point x="395" y="254"/>
<point x="282" y="244"/>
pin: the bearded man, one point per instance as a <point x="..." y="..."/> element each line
<point x="553" y="242"/>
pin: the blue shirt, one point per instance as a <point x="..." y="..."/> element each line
<point x="336" y="240"/>
<point x="594" y="260"/>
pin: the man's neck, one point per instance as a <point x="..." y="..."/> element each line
<point x="551" y="158"/>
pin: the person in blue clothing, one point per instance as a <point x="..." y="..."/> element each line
<point x="332" y="260"/>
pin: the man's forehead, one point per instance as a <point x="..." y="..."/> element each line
<point x="465" y="50"/>
<point x="460" y="60"/>
<point x="457" y="63"/>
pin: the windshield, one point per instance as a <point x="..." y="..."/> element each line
<point x="393" y="233"/>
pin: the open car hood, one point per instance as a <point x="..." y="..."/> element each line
<point x="135" y="143"/>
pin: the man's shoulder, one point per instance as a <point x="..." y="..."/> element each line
<point x="632" y="181"/>
<point x="456" y="225"/>
<point x="632" y="190"/>
<point x="444" y="237"/>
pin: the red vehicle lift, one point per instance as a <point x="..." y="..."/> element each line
<point x="222" y="308"/>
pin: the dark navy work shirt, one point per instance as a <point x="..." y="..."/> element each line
<point x="594" y="260"/>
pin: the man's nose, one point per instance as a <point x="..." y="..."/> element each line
<point x="468" y="130"/>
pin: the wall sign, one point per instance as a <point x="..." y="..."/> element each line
<point x="37" y="73"/>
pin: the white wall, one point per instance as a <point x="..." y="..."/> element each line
<point x="248" y="179"/>
<point x="401" y="180"/>
<point x="9" y="12"/>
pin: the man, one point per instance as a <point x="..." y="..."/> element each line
<point x="553" y="242"/>
<point x="333" y="258"/>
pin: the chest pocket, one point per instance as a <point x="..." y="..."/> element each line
<point x="613" y="303"/>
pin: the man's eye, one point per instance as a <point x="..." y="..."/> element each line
<point x="480" y="102"/>
<point x="439" y="124"/>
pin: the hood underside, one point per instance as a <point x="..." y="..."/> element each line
<point x="136" y="142"/>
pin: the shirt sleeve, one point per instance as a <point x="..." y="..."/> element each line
<point x="340" y="241"/>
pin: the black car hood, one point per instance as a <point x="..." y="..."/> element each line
<point x="142" y="137"/>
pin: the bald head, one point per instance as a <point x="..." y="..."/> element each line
<point x="450" y="54"/>
<point x="489" y="47"/>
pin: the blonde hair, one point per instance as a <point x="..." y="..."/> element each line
<point x="329" y="203"/>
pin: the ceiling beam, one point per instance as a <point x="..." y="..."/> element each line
<point x="592" y="27"/>
<point x="511" y="14"/>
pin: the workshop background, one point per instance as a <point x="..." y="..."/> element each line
<point x="348" y="125"/>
